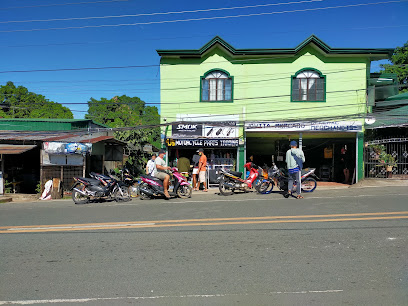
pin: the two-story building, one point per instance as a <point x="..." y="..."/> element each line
<point x="242" y="103"/>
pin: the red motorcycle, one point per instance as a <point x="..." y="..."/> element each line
<point x="231" y="180"/>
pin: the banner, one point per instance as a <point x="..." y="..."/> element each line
<point x="203" y="143"/>
<point x="321" y="126"/>
<point x="186" y="129"/>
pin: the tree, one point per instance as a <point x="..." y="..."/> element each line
<point x="18" y="102"/>
<point x="127" y="111"/>
<point x="399" y="60"/>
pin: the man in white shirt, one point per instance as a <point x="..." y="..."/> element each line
<point x="150" y="165"/>
<point x="160" y="172"/>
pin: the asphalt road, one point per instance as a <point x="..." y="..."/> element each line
<point x="339" y="247"/>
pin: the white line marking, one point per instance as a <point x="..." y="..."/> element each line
<point x="79" y="226"/>
<point x="85" y="300"/>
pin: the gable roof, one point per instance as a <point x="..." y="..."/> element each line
<point x="217" y="40"/>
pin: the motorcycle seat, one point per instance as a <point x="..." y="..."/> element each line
<point x="91" y="181"/>
<point x="239" y="174"/>
<point x="148" y="176"/>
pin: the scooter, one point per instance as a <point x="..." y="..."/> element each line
<point x="280" y="178"/>
<point x="231" y="180"/>
<point x="97" y="187"/>
<point x="152" y="187"/>
<point x="129" y="180"/>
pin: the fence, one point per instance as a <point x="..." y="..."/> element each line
<point x="397" y="148"/>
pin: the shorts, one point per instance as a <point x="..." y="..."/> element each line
<point x="160" y="175"/>
<point x="195" y="170"/>
<point x="201" y="177"/>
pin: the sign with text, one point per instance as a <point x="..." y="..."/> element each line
<point x="203" y="143"/>
<point x="186" y="129"/>
<point x="320" y="126"/>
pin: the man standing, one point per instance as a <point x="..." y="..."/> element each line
<point x="202" y="168"/>
<point x="160" y="172"/>
<point x="150" y="165"/>
<point x="294" y="161"/>
<point x="196" y="159"/>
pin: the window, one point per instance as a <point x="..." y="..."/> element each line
<point x="216" y="85"/>
<point x="308" y="85"/>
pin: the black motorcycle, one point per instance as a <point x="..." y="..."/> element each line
<point x="98" y="187"/>
<point x="280" y="178"/>
<point x="129" y="180"/>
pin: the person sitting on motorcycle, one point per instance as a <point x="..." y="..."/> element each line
<point x="294" y="161"/>
<point x="160" y="172"/>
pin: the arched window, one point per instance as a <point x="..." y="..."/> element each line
<point x="308" y="85"/>
<point x="216" y="85"/>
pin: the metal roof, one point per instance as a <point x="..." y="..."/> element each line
<point x="15" y="149"/>
<point x="71" y="136"/>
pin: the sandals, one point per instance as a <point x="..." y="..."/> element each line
<point x="299" y="197"/>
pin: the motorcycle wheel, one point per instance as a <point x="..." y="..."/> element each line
<point x="224" y="190"/>
<point x="121" y="194"/>
<point x="79" y="198"/>
<point x="184" y="192"/>
<point x="309" y="185"/>
<point x="265" y="187"/>
<point x="144" y="196"/>
<point x="134" y="190"/>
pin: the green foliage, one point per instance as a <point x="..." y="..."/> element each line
<point x="18" y="102"/>
<point x="127" y="111"/>
<point x="399" y="66"/>
<point x="8" y="186"/>
<point x="38" y="188"/>
<point x="384" y="158"/>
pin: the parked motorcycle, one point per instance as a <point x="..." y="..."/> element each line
<point x="98" y="187"/>
<point x="231" y="180"/>
<point x="129" y="180"/>
<point x="152" y="187"/>
<point x="280" y="178"/>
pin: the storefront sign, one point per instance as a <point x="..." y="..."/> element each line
<point x="221" y="130"/>
<point x="186" y="129"/>
<point x="321" y="126"/>
<point x="203" y="143"/>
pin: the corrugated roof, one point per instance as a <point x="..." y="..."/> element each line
<point x="56" y="136"/>
<point x="15" y="149"/>
<point x="394" y="118"/>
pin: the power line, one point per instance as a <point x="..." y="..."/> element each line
<point x="195" y="36"/>
<point x="206" y="18"/>
<point x="60" y="4"/>
<point x="162" y="13"/>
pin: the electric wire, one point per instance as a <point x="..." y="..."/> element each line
<point x="203" y="18"/>
<point x="161" y="13"/>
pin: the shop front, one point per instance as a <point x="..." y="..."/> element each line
<point x="220" y="144"/>
<point x="329" y="146"/>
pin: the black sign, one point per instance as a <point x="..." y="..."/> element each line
<point x="186" y="129"/>
<point x="203" y="143"/>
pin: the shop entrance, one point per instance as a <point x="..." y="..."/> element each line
<point x="323" y="151"/>
<point x="217" y="158"/>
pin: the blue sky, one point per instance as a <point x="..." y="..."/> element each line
<point x="371" y="26"/>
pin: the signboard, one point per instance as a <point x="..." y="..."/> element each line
<point x="186" y="129"/>
<point x="203" y="143"/>
<point x="221" y="130"/>
<point x="321" y="126"/>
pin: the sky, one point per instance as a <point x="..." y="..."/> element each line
<point x="100" y="34"/>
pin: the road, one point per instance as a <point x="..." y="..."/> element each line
<point x="338" y="247"/>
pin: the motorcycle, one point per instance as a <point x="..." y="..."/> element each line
<point x="129" y="180"/>
<point x="98" y="187"/>
<point x="231" y="180"/>
<point x="280" y="178"/>
<point x="152" y="187"/>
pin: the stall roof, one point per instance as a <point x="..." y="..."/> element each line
<point x="71" y="136"/>
<point x="15" y="149"/>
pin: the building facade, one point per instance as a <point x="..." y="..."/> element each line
<point x="242" y="103"/>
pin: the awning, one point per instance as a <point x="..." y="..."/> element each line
<point x="394" y="118"/>
<point x="15" y="149"/>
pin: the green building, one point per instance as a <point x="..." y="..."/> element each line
<point x="238" y="103"/>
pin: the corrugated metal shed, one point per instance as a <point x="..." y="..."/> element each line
<point x="15" y="149"/>
<point x="28" y="124"/>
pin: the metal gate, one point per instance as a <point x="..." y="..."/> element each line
<point x="397" y="148"/>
